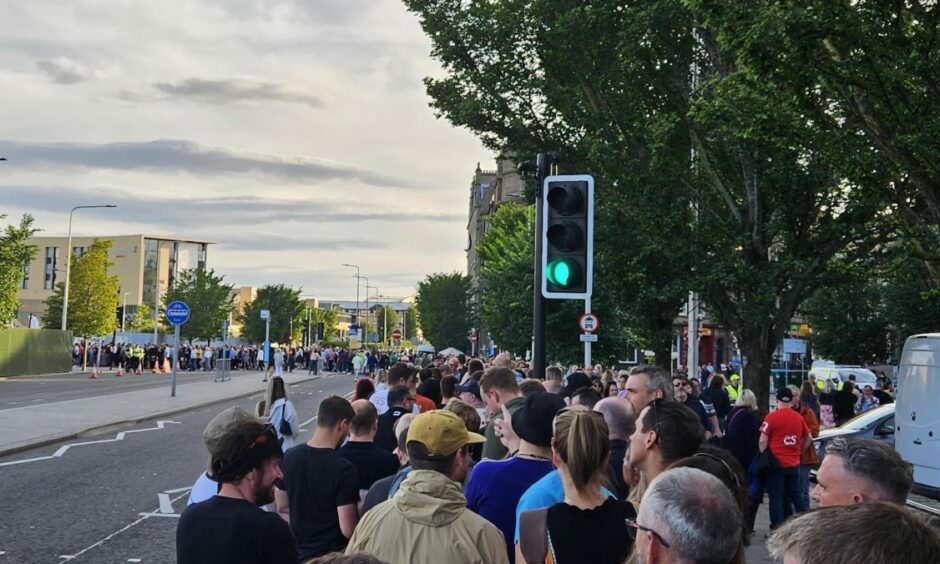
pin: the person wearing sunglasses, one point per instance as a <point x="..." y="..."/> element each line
<point x="231" y="526"/>
<point x="687" y="515"/>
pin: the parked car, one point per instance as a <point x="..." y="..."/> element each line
<point x="827" y="370"/>
<point x="877" y="424"/>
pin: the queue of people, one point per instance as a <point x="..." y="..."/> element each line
<point x="465" y="463"/>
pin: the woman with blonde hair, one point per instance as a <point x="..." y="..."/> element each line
<point x="742" y="434"/>
<point x="580" y="451"/>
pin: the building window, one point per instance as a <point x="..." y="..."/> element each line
<point x="52" y="257"/>
<point x="25" y="283"/>
<point x="77" y="252"/>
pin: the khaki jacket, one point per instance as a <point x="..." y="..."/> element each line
<point x="427" y="522"/>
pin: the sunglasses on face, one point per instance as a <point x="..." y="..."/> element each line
<point x="632" y="527"/>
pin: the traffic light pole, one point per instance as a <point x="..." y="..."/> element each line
<point x="543" y="162"/>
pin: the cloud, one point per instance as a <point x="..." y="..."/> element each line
<point x="272" y="242"/>
<point x="175" y="155"/>
<point x="235" y="90"/>
<point x="66" y="71"/>
<point x="222" y="212"/>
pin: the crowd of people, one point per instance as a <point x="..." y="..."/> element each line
<point x="455" y="461"/>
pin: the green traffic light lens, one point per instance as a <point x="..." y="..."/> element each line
<point x="559" y="273"/>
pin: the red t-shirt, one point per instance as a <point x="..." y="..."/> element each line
<point x="785" y="430"/>
<point x="424" y="404"/>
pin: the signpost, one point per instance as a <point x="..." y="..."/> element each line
<point x="396" y="334"/>
<point x="266" y="316"/>
<point x="177" y="313"/>
<point x="589" y="324"/>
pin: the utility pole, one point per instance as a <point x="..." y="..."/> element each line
<point x="543" y="162"/>
<point x="68" y="263"/>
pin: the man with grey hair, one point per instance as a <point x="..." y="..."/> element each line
<point x="866" y="532"/>
<point x="621" y="423"/>
<point x="687" y="516"/>
<point x="554" y="380"/>
<point x="646" y="383"/>
<point x="859" y="470"/>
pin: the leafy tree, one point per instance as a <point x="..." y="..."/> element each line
<point x="912" y="297"/>
<point x="209" y="300"/>
<point x="93" y="294"/>
<point x="142" y="320"/>
<point x="752" y="218"/>
<point x="287" y="310"/>
<point x="15" y="254"/>
<point x="411" y="322"/>
<point x="381" y="312"/>
<point x="848" y="318"/>
<point x="329" y="318"/>
<point x="443" y="309"/>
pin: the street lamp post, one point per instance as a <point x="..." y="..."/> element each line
<point x="68" y="263"/>
<point x="124" y="310"/>
<point x="384" y="337"/>
<point x="357" y="288"/>
<point x="366" y="340"/>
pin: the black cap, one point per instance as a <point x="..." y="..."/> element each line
<point x="533" y="421"/>
<point x="576" y="381"/>
<point x="784" y="394"/>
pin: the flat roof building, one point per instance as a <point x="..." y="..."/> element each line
<point x="145" y="264"/>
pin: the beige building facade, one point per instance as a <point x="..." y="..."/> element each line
<point x="145" y="264"/>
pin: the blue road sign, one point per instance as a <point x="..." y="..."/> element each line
<point x="177" y="313"/>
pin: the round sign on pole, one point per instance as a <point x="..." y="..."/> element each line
<point x="177" y="313"/>
<point x="396" y="334"/>
<point x="589" y="323"/>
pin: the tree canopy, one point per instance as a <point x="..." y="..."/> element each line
<point x="15" y="255"/>
<point x="444" y="311"/>
<point x="209" y="299"/>
<point x="93" y="294"/>
<point x="287" y="312"/>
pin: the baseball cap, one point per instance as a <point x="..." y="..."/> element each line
<point x="442" y="433"/>
<point x="784" y="394"/>
<point x="471" y="386"/>
<point x="576" y="381"/>
<point x="533" y="421"/>
<point x="735" y="377"/>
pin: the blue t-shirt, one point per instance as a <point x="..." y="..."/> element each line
<point x="545" y="493"/>
<point x="494" y="489"/>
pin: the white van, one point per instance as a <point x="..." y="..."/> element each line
<point x="826" y="370"/>
<point x="917" y="415"/>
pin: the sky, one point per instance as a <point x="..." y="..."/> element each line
<point x="295" y="133"/>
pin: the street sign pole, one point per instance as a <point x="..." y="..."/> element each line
<point x="176" y="359"/>
<point x="177" y="313"/>
<point x="587" y="344"/>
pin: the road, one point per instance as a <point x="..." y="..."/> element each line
<point x="31" y="390"/>
<point x="116" y="500"/>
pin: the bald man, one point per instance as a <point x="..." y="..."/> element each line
<point x="373" y="463"/>
<point x="621" y="422"/>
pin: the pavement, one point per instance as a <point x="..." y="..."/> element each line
<point x="42" y="410"/>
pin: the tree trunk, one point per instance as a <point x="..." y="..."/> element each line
<point x="758" y="359"/>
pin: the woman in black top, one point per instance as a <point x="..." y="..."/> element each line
<point x="586" y="526"/>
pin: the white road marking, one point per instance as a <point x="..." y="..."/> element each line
<point x="166" y="506"/>
<point x="63" y="449"/>
<point x="144" y="517"/>
<point x="170" y="515"/>
<point x="134" y="560"/>
<point x="311" y="420"/>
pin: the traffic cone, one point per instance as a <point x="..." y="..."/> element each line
<point x="94" y="373"/>
<point x="120" y="371"/>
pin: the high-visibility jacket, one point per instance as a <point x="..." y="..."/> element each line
<point x="732" y="392"/>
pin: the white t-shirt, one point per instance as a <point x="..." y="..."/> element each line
<point x="380" y="399"/>
<point x="283" y="409"/>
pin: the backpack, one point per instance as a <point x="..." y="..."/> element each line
<point x="534" y="540"/>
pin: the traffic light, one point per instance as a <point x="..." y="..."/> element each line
<point x="568" y="237"/>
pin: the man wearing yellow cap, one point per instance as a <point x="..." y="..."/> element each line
<point x="734" y="388"/>
<point x="427" y="521"/>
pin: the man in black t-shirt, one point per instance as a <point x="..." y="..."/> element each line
<point x="371" y="462"/>
<point x="400" y="402"/>
<point x="230" y="526"/>
<point x="320" y="488"/>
